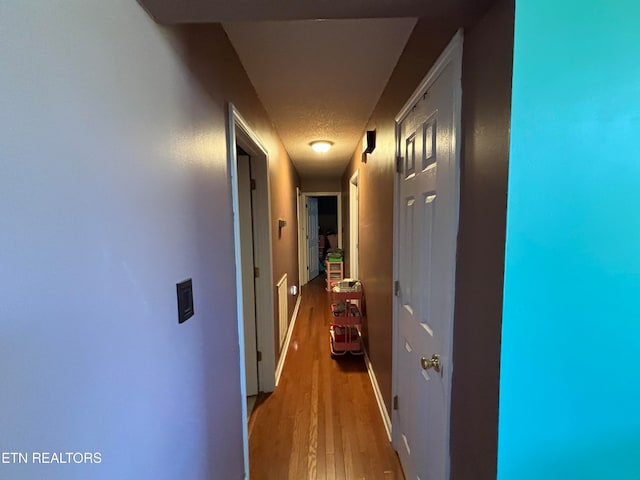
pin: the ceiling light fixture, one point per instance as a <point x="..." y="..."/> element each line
<point x="321" y="146"/>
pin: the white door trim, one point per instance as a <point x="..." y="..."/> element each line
<point x="240" y="133"/>
<point x="302" y="228"/>
<point x="301" y="238"/>
<point x="354" y="233"/>
<point x="451" y="54"/>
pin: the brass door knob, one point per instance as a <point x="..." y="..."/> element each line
<point x="433" y="362"/>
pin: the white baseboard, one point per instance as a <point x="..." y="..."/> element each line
<point x="285" y="345"/>
<point x="376" y="390"/>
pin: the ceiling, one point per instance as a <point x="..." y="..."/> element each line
<point x="320" y="80"/>
<point x="317" y="79"/>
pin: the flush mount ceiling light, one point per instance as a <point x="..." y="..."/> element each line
<point x="321" y="146"/>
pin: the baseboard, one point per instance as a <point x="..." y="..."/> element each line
<point x="285" y="346"/>
<point x="376" y="390"/>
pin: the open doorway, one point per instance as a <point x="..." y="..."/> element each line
<point x="248" y="167"/>
<point x="320" y="230"/>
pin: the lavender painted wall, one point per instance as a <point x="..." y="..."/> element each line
<point x="113" y="187"/>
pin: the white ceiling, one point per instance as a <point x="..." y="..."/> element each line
<point x="320" y="80"/>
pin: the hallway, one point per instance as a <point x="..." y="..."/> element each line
<point x="322" y="422"/>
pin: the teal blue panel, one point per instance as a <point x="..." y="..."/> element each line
<point x="569" y="384"/>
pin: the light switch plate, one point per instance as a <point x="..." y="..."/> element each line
<point x="185" y="300"/>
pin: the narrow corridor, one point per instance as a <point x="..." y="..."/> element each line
<point x="322" y="422"/>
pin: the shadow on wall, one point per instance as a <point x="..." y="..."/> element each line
<point x="216" y="70"/>
<point x="215" y="66"/>
<point x="207" y="53"/>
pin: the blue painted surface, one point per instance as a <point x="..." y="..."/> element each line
<point x="570" y="387"/>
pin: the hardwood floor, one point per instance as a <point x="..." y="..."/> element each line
<point x="322" y="422"/>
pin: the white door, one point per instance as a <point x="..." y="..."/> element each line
<point x="427" y="230"/>
<point x="312" y="233"/>
<point x="248" y="277"/>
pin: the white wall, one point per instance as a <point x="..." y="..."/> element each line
<point x="113" y="188"/>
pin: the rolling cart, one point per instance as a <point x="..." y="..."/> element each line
<point x="346" y="327"/>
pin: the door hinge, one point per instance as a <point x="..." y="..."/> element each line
<point x="253" y="184"/>
<point x="399" y="164"/>
<point x="396" y="288"/>
<point x="395" y="402"/>
<point x="259" y="355"/>
<point x="256" y="272"/>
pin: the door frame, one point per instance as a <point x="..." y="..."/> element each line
<point x="354" y="224"/>
<point x="451" y="54"/>
<point x="302" y="229"/>
<point x="240" y="133"/>
<point x="301" y="243"/>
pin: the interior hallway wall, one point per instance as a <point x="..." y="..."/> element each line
<point x="200" y="42"/>
<point x="114" y="186"/>
<point x="485" y="127"/>
<point x="486" y="113"/>
<point x="375" y="184"/>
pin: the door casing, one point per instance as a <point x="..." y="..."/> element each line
<point x="240" y="133"/>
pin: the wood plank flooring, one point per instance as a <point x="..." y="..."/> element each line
<point x="322" y="422"/>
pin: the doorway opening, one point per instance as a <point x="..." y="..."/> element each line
<point x="248" y="167"/>
<point x="320" y="230"/>
<point x="247" y="219"/>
